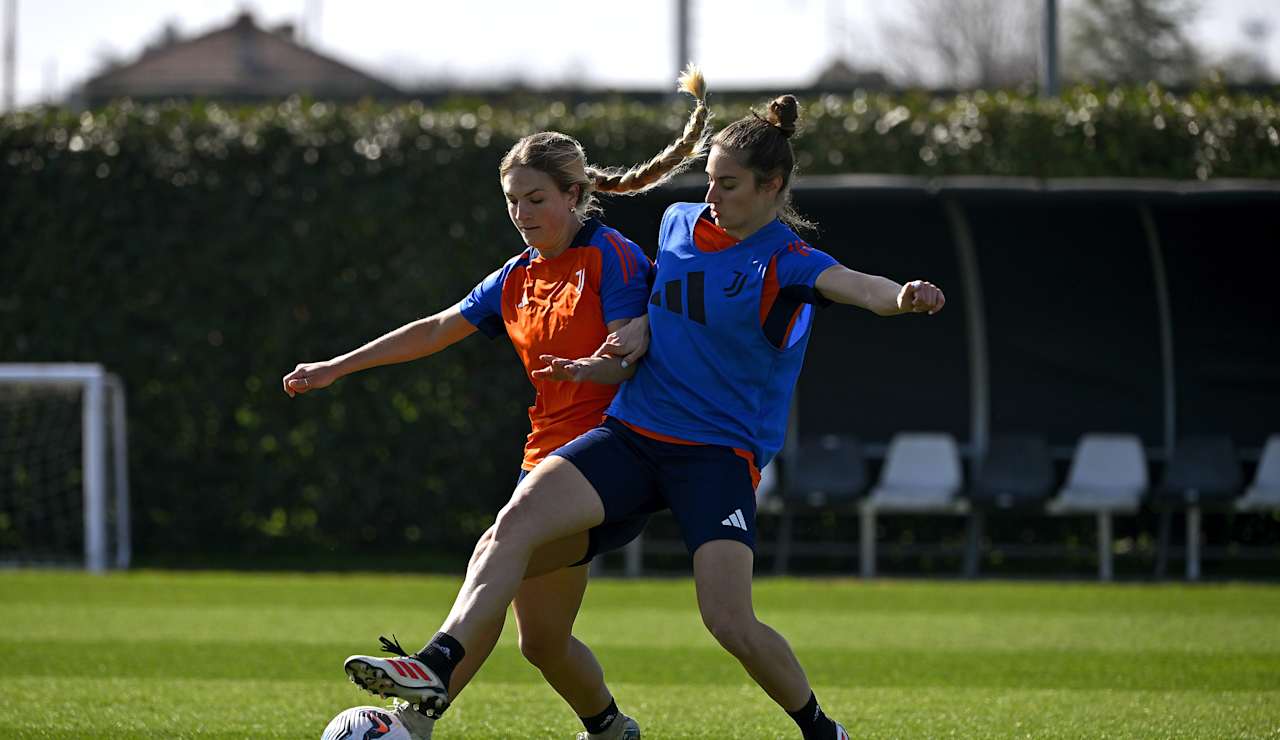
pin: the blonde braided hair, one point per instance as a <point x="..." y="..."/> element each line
<point x="670" y="161"/>
<point x="562" y="158"/>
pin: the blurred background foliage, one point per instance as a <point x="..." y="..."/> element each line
<point x="201" y="251"/>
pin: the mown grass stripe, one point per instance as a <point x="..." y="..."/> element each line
<point x="779" y="595"/>
<point x="1194" y="633"/>
<point x="219" y="655"/>
<point x="123" y="709"/>
<point x="1047" y="669"/>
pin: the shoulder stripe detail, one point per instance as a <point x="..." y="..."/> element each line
<point x="624" y="256"/>
<point x="630" y="256"/>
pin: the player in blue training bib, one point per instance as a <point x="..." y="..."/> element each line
<point x="729" y="318"/>
<point x="746" y="306"/>
<point x="575" y="281"/>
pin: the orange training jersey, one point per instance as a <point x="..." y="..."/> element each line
<point x="560" y="307"/>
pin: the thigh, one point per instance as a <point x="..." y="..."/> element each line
<point x="546" y="606"/>
<point x="562" y="553"/>
<point x="613" y="461"/>
<point x="612" y="536"/>
<point x="711" y="492"/>
<point x="554" y="501"/>
<point x="722" y="575"/>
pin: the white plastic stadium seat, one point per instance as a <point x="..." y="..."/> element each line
<point x="1264" y="493"/>
<point x="921" y="475"/>
<point x="1108" y="476"/>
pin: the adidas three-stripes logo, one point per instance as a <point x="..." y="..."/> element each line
<point x="735" y="520"/>
<point x="410" y="669"/>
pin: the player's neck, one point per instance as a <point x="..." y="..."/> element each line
<point x="566" y="241"/>
<point x="752" y="226"/>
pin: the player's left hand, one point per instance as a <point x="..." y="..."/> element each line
<point x="559" y="368"/>
<point x="921" y="296"/>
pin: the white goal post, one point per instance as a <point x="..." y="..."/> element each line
<point x="104" y="471"/>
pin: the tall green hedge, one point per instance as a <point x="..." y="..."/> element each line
<point x="1089" y="132"/>
<point x="201" y="251"/>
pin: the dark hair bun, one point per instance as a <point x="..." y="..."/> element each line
<point x="783" y="112"/>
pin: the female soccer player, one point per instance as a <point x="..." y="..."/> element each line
<point x="576" y="281"/>
<point x="729" y="319"/>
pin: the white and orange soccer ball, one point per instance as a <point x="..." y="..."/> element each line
<point x="367" y="723"/>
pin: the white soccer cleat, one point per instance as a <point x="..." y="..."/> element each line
<point x="622" y="728"/>
<point x="404" y="677"/>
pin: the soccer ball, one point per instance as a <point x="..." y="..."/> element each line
<point x="366" y="723"/>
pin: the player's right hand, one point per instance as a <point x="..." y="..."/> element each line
<point x="563" y="369"/>
<point x="630" y="342"/>
<point x="921" y="296"/>
<point x="309" y="376"/>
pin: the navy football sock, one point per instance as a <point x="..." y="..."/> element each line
<point x="597" y="724"/>
<point x="442" y="655"/>
<point x="812" y="722"/>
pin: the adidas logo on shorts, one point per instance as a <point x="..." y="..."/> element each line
<point x="735" y="520"/>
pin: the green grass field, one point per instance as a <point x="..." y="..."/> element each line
<point x="153" y="654"/>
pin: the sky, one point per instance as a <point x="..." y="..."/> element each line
<point x="611" y="43"/>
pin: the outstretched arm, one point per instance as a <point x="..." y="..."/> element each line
<point x="410" y="342"/>
<point x="878" y="294"/>
<point x="599" y="368"/>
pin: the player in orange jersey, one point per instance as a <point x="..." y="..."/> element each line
<point x="575" y="282"/>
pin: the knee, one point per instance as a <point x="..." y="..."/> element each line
<point x="513" y="524"/>
<point x="734" y="631"/>
<point x="542" y="649"/>
<point x="482" y="545"/>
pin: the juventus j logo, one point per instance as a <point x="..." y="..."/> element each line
<point x="582" y="278"/>
<point x="739" y="282"/>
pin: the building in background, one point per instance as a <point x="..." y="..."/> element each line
<point x="240" y="62"/>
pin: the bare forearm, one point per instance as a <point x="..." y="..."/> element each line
<point x="410" y="342"/>
<point x="882" y="296"/>
<point x="613" y="367"/>
<point x="605" y="370"/>
<point x="872" y="292"/>
<point x="613" y="363"/>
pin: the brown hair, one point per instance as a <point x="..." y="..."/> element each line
<point x="762" y="144"/>
<point x="564" y="159"/>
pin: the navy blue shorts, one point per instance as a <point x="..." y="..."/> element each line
<point x="609" y="536"/>
<point x="709" y="488"/>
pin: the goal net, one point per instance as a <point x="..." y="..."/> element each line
<point x="64" y="489"/>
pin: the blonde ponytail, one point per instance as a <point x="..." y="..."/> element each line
<point x="673" y="160"/>
<point x="564" y="159"/>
